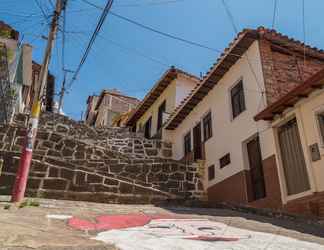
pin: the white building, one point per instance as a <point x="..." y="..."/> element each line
<point x="215" y="126"/>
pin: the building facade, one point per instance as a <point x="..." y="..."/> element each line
<point x="22" y="72"/>
<point x="103" y="109"/>
<point x="297" y="123"/>
<point x="167" y="93"/>
<point x="215" y="126"/>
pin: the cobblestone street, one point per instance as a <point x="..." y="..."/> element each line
<point x="75" y="225"/>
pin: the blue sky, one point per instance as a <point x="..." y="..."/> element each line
<point x="130" y="58"/>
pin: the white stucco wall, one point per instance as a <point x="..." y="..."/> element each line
<point x="312" y="135"/>
<point x="228" y="134"/>
<point x="177" y="90"/>
<point x="305" y="112"/>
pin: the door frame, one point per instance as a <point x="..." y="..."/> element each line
<point x="193" y="140"/>
<point x="247" y="164"/>
<point x="276" y="125"/>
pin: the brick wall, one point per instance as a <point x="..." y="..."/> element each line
<point x="311" y="205"/>
<point x="284" y="69"/>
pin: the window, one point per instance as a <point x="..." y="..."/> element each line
<point x="160" y="115"/>
<point x="321" y="125"/>
<point x="187" y="143"/>
<point x="147" y="129"/>
<point x="237" y="99"/>
<point x="207" y="126"/>
<point x="225" y="160"/>
<point x="211" y="172"/>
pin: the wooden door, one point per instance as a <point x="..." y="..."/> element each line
<point x="256" y="170"/>
<point x="197" y="142"/>
<point x="293" y="160"/>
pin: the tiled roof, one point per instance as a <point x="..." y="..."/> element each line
<point x="290" y="99"/>
<point x="228" y="58"/>
<point x="156" y="91"/>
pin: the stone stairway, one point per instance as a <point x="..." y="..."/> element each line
<point x="74" y="161"/>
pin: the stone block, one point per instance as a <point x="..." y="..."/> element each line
<point x="42" y="135"/>
<point x="55" y="137"/>
<point x="102" y="188"/>
<point x="66" y="152"/>
<point x="126" y="188"/>
<point x="167" y="153"/>
<point x="67" y="174"/>
<point x="118" y="168"/>
<point x="53" y="153"/>
<point x="177" y="176"/>
<point x="33" y="183"/>
<point x="7" y="180"/>
<point x="79" y="155"/>
<point x="83" y="188"/>
<point x="70" y="143"/>
<point x="54" y="172"/>
<point x="92" y="178"/>
<point x="133" y="168"/>
<point x="62" y="128"/>
<point x="55" y="184"/>
<point x="20" y="141"/>
<point x="48" y="144"/>
<point x="151" y="152"/>
<point x="142" y="190"/>
<point x="111" y="182"/>
<point x="59" y="146"/>
<point x="80" y="178"/>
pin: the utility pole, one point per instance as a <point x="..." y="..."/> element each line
<point x="63" y="89"/>
<point x="62" y="93"/>
<point x="19" y="188"/>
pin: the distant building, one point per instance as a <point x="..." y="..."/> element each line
<point x="103" y="109"/>
<point x="167" y="94"/>
<point x="19" y="75"/>
<point x="48" y="90"/>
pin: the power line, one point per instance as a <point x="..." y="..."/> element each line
<point x="304" y="29"/>
<point x="92" y="40"/>
<point x="275" y="7"/>
<point x="126" y="49"/>
<point x="164" y="33"/>
<point x="41" y="9"/>
<point x="149" y="3"/>
<point x="231" y="18"/>
<point x="174" y="37"/>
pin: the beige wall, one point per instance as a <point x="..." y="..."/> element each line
<point x="177" y="90"/>
<point x="229" y="135"/>
<point x="305" y="112"/>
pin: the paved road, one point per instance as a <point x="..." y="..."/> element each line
<point x="81" y="225"/>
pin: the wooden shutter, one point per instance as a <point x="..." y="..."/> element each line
<point x="321" y="125"/>
<point x="293" y="160"/>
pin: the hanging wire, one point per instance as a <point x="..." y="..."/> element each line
<point x="275" y="8"/>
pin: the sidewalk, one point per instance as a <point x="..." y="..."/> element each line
<point x="49" y="227"/>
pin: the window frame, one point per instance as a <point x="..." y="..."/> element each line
<point x="213" y="175"/>
<point x="227" y="155"/>
<point x="160" y="115"/>
<point x="208" y="117"/>
<point x="320" y="128"/>
<point x="149" y="120"/>
<point x="188" y="134"/>
<point x="242" y="106"/>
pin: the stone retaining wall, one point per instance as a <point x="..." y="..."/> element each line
<point x="116" y="139"/>
<point x="60" y="158"/>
